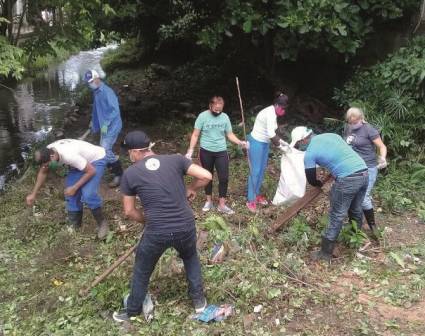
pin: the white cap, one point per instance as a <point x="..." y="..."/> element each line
<point x="91" y="75"/>
<point x="299" y="133"/>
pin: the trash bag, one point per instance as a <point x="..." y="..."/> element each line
<point x="213" y="313"/>
<point x="292" y="181"/>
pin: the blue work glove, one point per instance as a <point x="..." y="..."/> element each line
<point x="104" y="129"/>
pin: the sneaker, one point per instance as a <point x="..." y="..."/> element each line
<point x="121" y="316"/>
<point x="200" y="305"/>
<point x="207" y="206"/>
<point x="252" y="206"/>
<point x="225" y="209"/>
<point x="261" y="200"/>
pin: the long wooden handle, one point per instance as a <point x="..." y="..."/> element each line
<point x="240" y="103"/>
<point x="119" y="261"/>
<point x="293" y="210"/>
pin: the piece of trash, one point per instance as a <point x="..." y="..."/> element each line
<point x="215" y="313"/>
<point x="57" y="282"/>
<point x="218" y="254"/>
<point x="258" y="308"/>
<point x="148" y="308"/>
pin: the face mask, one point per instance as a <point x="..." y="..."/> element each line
<point x="215" y="114"/>
<point x="279" y="110"/>
<point x="356" y="126"/>
<point x="53" y="165"/>
<point x="93" y="86"/>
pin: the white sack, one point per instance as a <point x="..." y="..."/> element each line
<point x="292" y="181"/>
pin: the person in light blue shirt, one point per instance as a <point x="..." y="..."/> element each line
<point x="330" y="151"/>
<point x="106" y="118"/>
<point x="213" y="126"/>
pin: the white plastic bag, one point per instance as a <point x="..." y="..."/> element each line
<point x="292" y="181"/>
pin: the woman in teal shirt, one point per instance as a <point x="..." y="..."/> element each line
<point x="213" y="125"/>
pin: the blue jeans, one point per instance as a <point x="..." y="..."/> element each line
<point x="150" y="249"/>
<point x="89" y="192"/>
<point x="367" y="202"/>
<point x="258" y="155"/>
<point x="107" y="141"/>
<point x="346" y="195"/>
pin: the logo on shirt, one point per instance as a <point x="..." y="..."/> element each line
<point x="351" y="139"/>
<point x="152" y="164"/>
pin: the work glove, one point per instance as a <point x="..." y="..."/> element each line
<point x="189" y="154"/>
<point x="382" y="163"/>
<point x="284" y="146"/>
<point x="244" y="144"/>
<point x="104" y="129"/>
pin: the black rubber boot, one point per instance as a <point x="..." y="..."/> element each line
<point x="325" y="252"/>
<point x="102" y="224"/>
<point x="116" y="169"/>
<point x="370" y="219"/>
<point x="75" y="219"/>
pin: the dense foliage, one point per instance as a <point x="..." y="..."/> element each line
<point x="266" y="31"/>
<point x="392" y="95"/>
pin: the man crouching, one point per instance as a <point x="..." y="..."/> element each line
<point x="169" y="221"/>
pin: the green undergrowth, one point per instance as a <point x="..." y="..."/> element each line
<point x="43" y="267"/>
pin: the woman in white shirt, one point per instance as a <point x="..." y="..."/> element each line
<point x="264" y="131"/>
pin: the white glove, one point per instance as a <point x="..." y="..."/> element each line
<point x="283" y="143"/>
<point x="189" y="154"/>
<point x="284" y="146"/>
<point x="244" y="144"/>
<point x="382" y="163"/>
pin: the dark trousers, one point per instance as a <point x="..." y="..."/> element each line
<point x="219" y="160"/>
<point x="150" y="249"/>
<point x="346" y="196"/>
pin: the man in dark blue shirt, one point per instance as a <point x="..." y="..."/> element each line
<point x="169" y="221"/>
<point x="351" y="178"/>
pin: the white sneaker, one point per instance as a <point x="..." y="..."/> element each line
<point x="207" y="206"/>
<point x="225" y="209"/>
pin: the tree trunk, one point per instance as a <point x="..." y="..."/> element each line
<point x="21" y="20"/>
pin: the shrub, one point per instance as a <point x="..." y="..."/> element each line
<point x="391" y="94"/>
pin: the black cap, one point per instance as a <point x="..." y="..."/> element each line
<point x="136" y="140"/>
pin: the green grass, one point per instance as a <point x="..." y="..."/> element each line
<point x="43" y="268"/>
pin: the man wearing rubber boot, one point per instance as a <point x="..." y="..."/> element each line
<point x="86" y="166"/>
<point x="330" y="151"/>
<point x="106" y="118"/>
<point x="158" y="180"/>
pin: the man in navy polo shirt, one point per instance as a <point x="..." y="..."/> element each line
<point x="329" y="150"/>
<point x="169" y="220"/>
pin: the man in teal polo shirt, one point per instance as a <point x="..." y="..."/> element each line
<point x="351" y="179"/>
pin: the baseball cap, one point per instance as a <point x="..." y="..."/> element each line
<point x="299" y="133"/>
<point x="136" y="140"/>
<point x="91" y="75"/>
